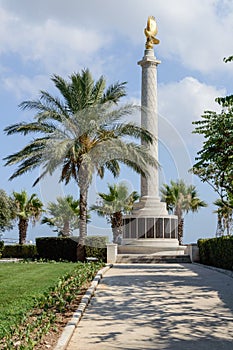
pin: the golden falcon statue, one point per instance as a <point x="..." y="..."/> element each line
<point x="150" y="32"/>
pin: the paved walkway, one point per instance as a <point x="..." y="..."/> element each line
<point x="172" y="306"/>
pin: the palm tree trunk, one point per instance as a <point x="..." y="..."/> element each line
<point x="180" y="230"/>
<point x="66" y="229"/>
<point x="23" y="226"/>
<point x="219" y="230"/>
<point x="83" y="215"/>
<point x="116" y="224"/>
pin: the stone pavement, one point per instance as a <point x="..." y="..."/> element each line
<point x="166" y="306"/>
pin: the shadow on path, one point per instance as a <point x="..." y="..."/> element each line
<point x="160" y="307"/>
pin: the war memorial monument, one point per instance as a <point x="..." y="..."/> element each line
<point x="150" y="229"/>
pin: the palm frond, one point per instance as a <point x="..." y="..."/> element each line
<point x="114" y="92"/>
<point x="26" y="128"/>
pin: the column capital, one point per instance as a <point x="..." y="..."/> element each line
<point x="149" y="58"/>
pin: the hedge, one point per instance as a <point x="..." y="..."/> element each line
<point x="26" y="251"/>
<point x="1" y="247"/>
<point x="217" y="252"/>
<point x="95" y="246"/>
<point x="59" y="248"/>
<point x="68" y="248"/>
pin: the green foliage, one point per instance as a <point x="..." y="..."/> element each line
<point x="217" y="252"/>
<point x="1" y="247"/>
<point x="6" y="211"/>
<point x="214" y="161"/>
<point x="114" y="204"/>
<point x="20" y="283"/>
<point x="26" y="251"/>
<point x="180" y="199"/>
<point x="59" y="248"/>
<point x="95" y="246"/>
<point x="80" y="133"/>
<point x="228" y="59"/>
<point x="68" y="248"/>
<point x="26" y="209"/>
<point x="39" y="310"/>
<point x="224" y="212"/>
<point x="64" y="215"/>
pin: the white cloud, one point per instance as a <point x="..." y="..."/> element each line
<point x="22" y="86"/>
<point x="50" y="43"/>
<point x="182" y="102"/>
<point x="197" y="33"/>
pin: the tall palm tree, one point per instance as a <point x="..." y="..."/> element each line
<point x="27" y="209"/>
<point x="181" y="199"/>
<point x="81" y="134"/>
<point x="114" y="204"/>
<point x="64" y="215"/>
<point x="224" y="212"/>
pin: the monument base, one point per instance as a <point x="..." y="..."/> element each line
<point x="150" y="235"/>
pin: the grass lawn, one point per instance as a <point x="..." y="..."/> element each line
<point x="20" y="283"/>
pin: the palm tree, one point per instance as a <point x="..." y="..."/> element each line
<point x="81" y="134"/>
<point x="26" y="209"/>
<point x="224" y="212"/>
<point x="64" y="215"/>
<point x="114" y="204"/>
<point x="181" y="199"/>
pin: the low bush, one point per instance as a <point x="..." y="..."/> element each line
<point x="59" y="248"/>
<point x="68" y="248"/>
<point x="217" y="252"/>
<point x="26" y="251"/>
<point x="1" y="248"/>
<point x="95" y="246"/>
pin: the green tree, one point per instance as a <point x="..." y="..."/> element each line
<point x="6" y="212"/>
<point x="214" y="161"/>
<point x="64" y="215"/>
<point x="81" y="134"/>
<point x="181" y="199"/>
<point x="224" y="212"/>
<point x="114" y="204"/>
<point x="27" y="209"/>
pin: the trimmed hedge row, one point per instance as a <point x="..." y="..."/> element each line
<point x="68" y="248"/>
<point x="217" y="252"/>
<point x="1" y="247"/>
<point x="26" y="251"/>
<point x="95" y="246"/>
<point x="59" y="248"/>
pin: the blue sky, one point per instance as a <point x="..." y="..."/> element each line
<point x="41" y="38"/>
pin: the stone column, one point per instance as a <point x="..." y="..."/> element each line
<point x="150" y="202"/>
<point x="149" y="117"/>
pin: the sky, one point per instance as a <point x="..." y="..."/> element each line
<point x="46" y="37"/>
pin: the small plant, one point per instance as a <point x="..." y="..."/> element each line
<point x="37" y="322"/>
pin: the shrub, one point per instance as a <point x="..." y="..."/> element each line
<point x="59" y="248"/>
<point x="217" y="252"/>
<point x="1" y="247"/>
<point x="68" y="248"/>
<point x="26" y="251"/>
<point x="95" y="246"/>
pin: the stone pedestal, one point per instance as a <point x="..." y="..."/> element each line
<point x="111" y="253"/>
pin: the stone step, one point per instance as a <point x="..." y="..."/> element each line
<point x="152" y="259"/>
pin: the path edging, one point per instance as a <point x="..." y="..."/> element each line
<point x="218" y="269"/>
<point x="73" y="322"/>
